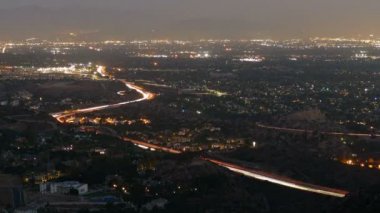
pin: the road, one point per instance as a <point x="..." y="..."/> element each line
<point x="284" y="129"/>
<point x="139" y="143"/>
<point x="276" y="179"/>
<point x="146" y="95"/>
<point x="150" y="146"/>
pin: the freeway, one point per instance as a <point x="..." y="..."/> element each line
<point x="152" y="147"/>
<point x="139" y="143"/>
<point x="146" y="95"/>
<point x="284" y="129"/>
<point x="276" y="179"/>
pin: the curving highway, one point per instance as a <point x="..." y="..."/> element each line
<point x="145" y="95"/>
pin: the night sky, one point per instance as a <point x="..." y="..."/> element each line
<point x="188" y="19"/>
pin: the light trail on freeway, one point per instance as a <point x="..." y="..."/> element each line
<point x="284" y="129"/>
<point x="146" y="95"/>
<point x="276" y="179"/>
<point x="152" y="147"/>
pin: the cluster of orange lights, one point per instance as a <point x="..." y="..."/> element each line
<point x="368" y="164"/>
<point x="105" y="121"/>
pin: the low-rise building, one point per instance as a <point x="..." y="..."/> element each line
<point x="63" y="187"/>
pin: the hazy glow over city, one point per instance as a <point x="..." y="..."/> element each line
<point x="130" y="19"/>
